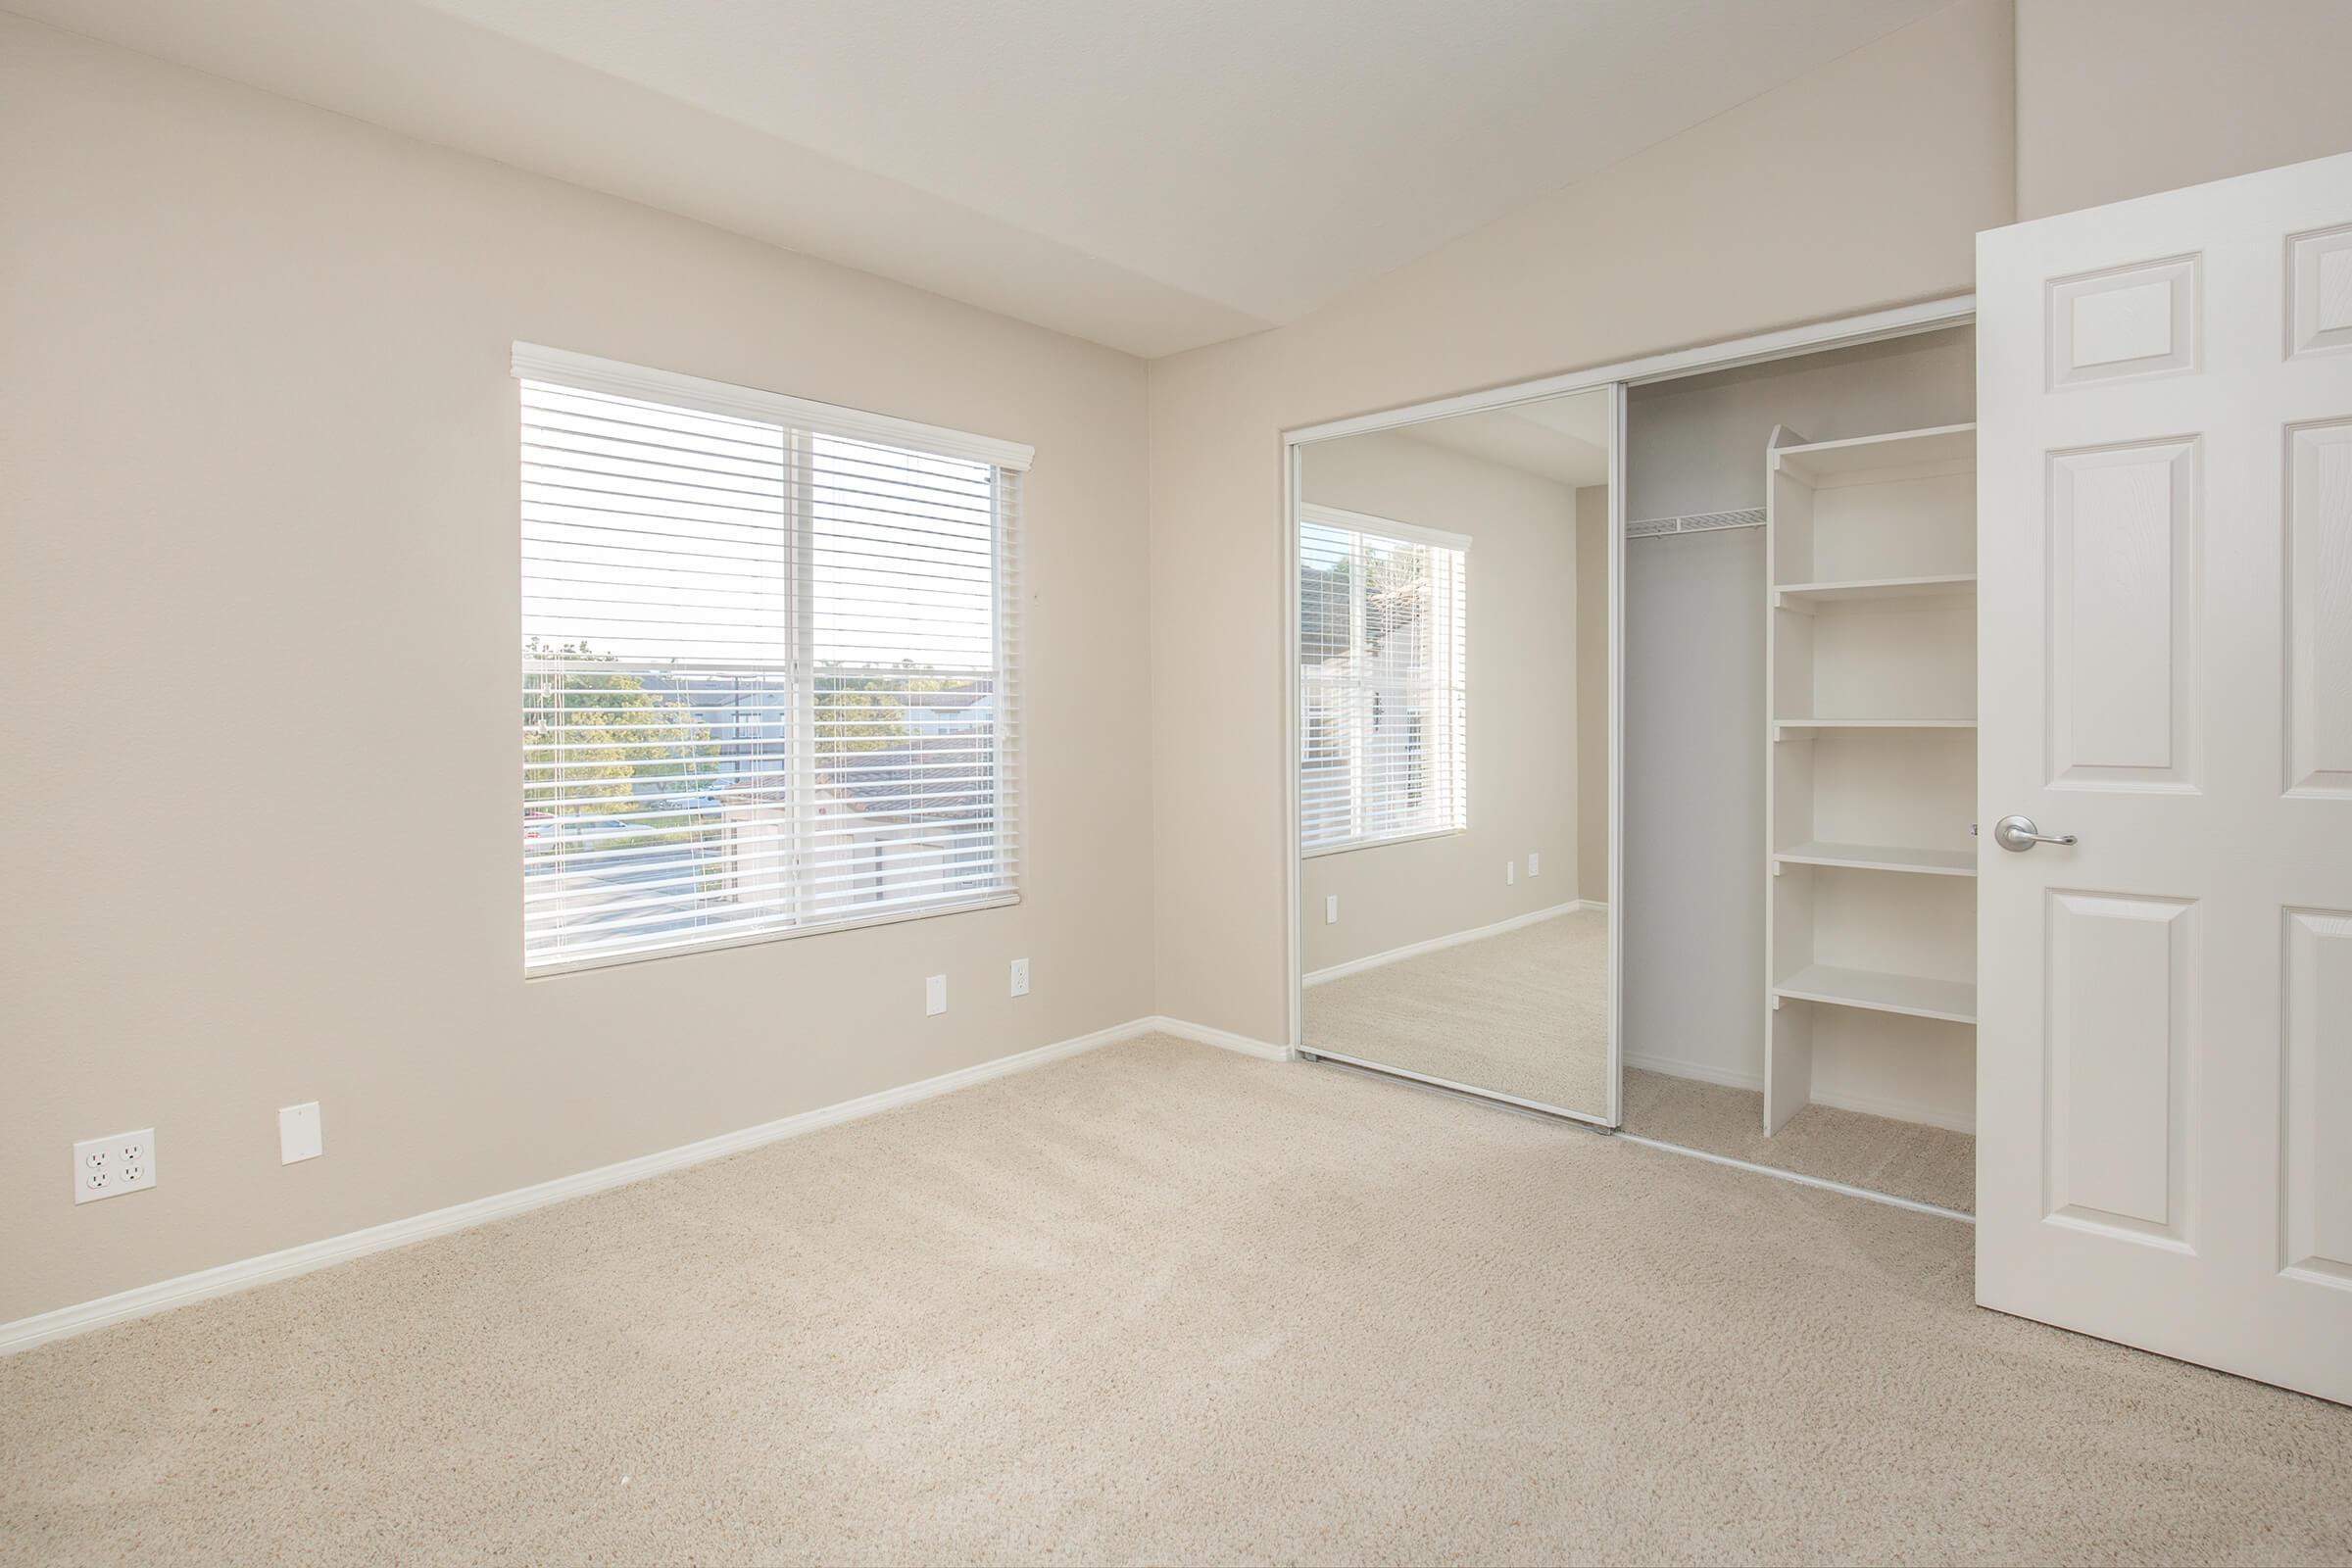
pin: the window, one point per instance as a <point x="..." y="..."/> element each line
<point x="1383" y="611"/>
<point x="768" y="676"/>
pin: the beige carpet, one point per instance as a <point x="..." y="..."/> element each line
<point x="1160" y="1303"/>
<point x="1524" y="1014"/>
<point x="1929" y="1164"/>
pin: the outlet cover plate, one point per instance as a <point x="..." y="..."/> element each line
<point x="108" y="1168"/>
<point x="1535" y="863"/>
<point x="1020" y="977"/>
<point x="299" y="1137"/>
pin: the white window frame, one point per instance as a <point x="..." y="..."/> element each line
<point x="804" y="417"/>
<point x="1312" y="515"/>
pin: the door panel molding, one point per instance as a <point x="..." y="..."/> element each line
<point x="2316" y="1097"/>
<point x="2140" y="319"/>
<point x="2122" y="1004"/>
<point x="2318" y="272"/>
<point x="2318" y="613"/>
<point x="2121" y="634"/>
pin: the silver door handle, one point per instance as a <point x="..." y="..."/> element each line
<point x="2020" y="834"/>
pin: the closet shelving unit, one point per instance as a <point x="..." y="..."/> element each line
<point x="1870" y="909"/>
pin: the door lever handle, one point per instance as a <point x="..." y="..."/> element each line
<point x="2019" y="833"/>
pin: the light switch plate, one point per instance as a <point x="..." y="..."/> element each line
<point x="1331" y="909"/>
<point x="299" y="1136"/>
<point x="108" y="1168"/>
<point x="935" y="996"/>
<point x="1510" y="873"/>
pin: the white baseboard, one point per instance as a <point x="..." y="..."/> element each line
<point x="1835" y="1098"/>
<point x="226" y="1278"/>
<point x="1896" y="1109"/>
<point x="1706" y="1072"/>
<point x="1434" y="944"/>
<point x="1201" y="1034"/>
<point x="1597" y="906"/>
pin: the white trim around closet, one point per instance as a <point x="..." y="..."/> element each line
<point x="1915" y="1206"/>
<point x="1527" y="1107"/>
<point x="1845" y="332"/>
<point x="1902" y="322"/>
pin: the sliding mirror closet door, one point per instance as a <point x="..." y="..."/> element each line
<point x="1453" y="611"/>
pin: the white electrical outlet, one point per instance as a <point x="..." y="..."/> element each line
<point x="1331" y="909"/>
<point x="1020" y="977"/>
<point x="1535" y="863"/>
<point x="298" y="1134"/>
<point x="108" y="1168"/>
<point x="935" y="996"/>
<point x="1510" y="873"/>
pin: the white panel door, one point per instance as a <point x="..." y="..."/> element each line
<point x="2164" y="1098"/>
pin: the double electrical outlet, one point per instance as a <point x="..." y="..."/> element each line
<point x="108" y="1168"/>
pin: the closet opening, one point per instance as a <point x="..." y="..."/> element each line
<point x="1633" y="749"/>
<point x="1800" y="654"/>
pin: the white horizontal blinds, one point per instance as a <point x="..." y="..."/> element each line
<point x="766" y="675"/>
<point x="657" y="674"/>
<point x="910" y="710"/>
<point x="1329" y="631"/>
<point x="1383" y="628"/>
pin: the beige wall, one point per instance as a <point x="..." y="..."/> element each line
<point x="2121" y="98"/>
<point x="1861" y="185"/>
<point x="1592" y="693"/>
<point x="1522" y="646"/>
<point x="258" y="439"/>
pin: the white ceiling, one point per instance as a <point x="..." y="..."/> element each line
<point x="1562" y="439"/>
<point x="1152" y="174"/>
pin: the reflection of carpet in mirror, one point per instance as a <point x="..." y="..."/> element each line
<point x="1927" y="1164"/>
<point x="1524" y="1014"/>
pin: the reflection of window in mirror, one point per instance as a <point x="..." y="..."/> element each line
<point x="1383" y="621"/>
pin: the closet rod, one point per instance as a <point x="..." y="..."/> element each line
<point x="1696" y="522"/>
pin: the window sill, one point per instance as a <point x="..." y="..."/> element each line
<point x="554" y="967"/>
<point x="1321" y="849"/>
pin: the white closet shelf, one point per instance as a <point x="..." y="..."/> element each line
<point x="1805" y="595"/>
<point x="1882" y="857"/>
<point x="1871" y="593"/>
<point x="1952" y="1000"/>
<point x="1803" y="728"/>
<point x="1815" y="461"/>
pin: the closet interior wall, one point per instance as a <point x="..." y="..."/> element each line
<point x="1696" y="716"/>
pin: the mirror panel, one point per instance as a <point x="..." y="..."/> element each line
<point x="1453" y="730"/>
